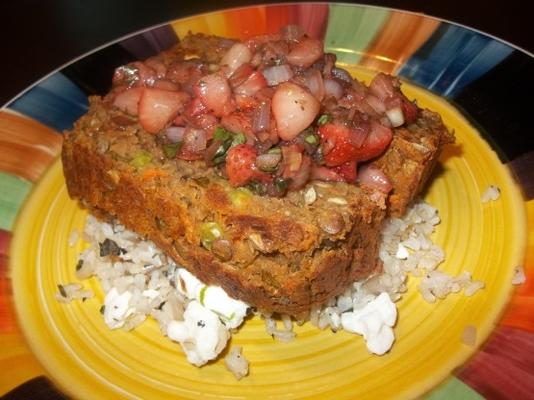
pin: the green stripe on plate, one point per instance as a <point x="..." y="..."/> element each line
<point x="351" y="30"/>
<point x="13" y="192"/>
<point x="453" y="388"/>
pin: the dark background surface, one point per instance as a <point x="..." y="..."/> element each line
<point x="40" y="36"/>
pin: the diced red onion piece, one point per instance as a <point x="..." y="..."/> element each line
<point x="374" y="178"/>
<point x="277" y="74"/>
<point x="332" y="88"/>
<point x="261" y="120"/>
<point x="292" y="32"/>
<point x="314" y="82"/>
<point x="382" y="86"/>
<point x="240" y="75"/>
<point x="157" y="65"/>
<point x="268" y="161"/>
<point x="395" y="116"/>
<point x="195" y="140"/>
<point x="377" y="104"/>
<point x="321" y="173"/>
<point x="341" y="74"/>
<point x="359" y="133"/>
<point x="175" y="133"/>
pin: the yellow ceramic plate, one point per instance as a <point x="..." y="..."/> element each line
<point x="88" y="360"/>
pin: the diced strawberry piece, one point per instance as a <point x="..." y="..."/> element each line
<point x="245" y="102"/>
<point x="376" y="142"/>
<point x="347" y="171"/>
<point x="215" y="93"/>
<point x="240" y="166"/>
<point x="195" y="108"/>
<point x="344" y="144"/>
<point x="337" y="139"/>
<point x="128" y="100"/>
<point x="158" y="107"/>
<point x="410" y="111"/>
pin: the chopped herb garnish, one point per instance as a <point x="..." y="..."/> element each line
<point x="201" y="324"/>
<point x="170" y="150"/>
<point x="161" y="305"/>
<point x="222" y="149"/>
<point x="79" y="265"/>
<point x="312" y="139"/>
<point x="62" y="290"/>
<point x="323" y="119"/>
<point x="102" y="309"/>
<point x="275" y="150"/>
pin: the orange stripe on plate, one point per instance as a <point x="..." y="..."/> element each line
<point x="400" y="37"/>
<point x="27" y="147"/>
<point x="245" y="22"/>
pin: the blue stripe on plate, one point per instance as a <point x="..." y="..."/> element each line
<point x="452" y="58"/>
<point x="56" y="102"/>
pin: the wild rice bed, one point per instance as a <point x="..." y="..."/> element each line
<point x="140" y="281"/>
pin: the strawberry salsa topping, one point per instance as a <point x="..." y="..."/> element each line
<point x="270" y="113"/>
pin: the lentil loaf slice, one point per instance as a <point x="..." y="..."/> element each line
<point x="280" y="255"/>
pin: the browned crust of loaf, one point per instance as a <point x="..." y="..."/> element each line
<point x="411" y="157"/>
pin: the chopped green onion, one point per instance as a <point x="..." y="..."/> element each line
<point x="222" y="134"/>
<point x="209" y="232"/>
<point x="141" y="159"/>
<point x="79" y="265"/>
<point x="202" y="294"/>
<point x="312" y="139"/>
<point x="323" y="119"/>
<point x="170" y="150"/>
<point x="238" y="138"/>
<point x="223" y="148"/>
<point x="102" y="309"/>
